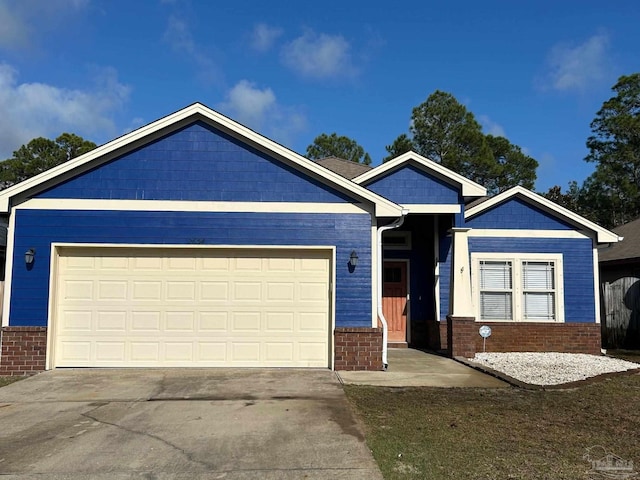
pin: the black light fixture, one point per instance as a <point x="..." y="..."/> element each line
<point x="29" y="255"/>
<point x="353" y="258"/>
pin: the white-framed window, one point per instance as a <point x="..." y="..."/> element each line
<point x="525" y="287"/>
<point x="396" y="240"/>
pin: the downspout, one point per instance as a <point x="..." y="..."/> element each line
<point x="385" y="329"/>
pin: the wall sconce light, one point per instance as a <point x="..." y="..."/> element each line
<point x="353" y="258"/>
<point x="29" y="255"/>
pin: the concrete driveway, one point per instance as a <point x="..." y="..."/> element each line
<point x="181" y="423"/>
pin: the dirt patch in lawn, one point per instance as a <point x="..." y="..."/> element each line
<point x="500" y="434"/>
<point x="628" y="355"/>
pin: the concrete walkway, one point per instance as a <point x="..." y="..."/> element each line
<point x="415" y="368"/>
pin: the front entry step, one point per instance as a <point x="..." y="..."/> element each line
<point x="397" y="345"/>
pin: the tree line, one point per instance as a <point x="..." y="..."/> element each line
<point x="445" y="131"/>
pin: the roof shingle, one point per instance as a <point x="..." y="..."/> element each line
<point x="628" y="248"/>
<point x="346" y="168"/>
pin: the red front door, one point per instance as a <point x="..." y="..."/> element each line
<point x="394" y="300"/>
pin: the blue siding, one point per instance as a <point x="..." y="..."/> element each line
<point x="197" y="162"/>
<point x="410" y="184"/>
<point x="518" y="215"/>
<point x="577" y="259"/>
<point x="445" y="274"/>
<point x="39" y="228"/>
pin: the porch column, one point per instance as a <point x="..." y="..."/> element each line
<point x="461" y="318"/>
<point x="460" y="303"/>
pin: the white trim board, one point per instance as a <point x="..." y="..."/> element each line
<point x="596" y="284"/>
<point x="602" y="234"/>
<point x="189" y="246"/>
<point x="507" y="233"/>
<point x="432" y="208"/>
<point x="191" y="206"/>
<point x="6" y="305"/>
<point x="164" y="126"/>
<point x="468" y="187"/>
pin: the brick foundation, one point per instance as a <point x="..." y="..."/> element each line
<point x="436" y="336"/>
<point x="541" y="337"/>
<point x="23" y="350"/>
<point x="461" y="332"/>
<point x="358" y="348"/>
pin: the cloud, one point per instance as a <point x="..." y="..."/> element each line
<point x="179" y="36"/>
<point x="576" y="68"/>
<point x="40" y="110"/>
<point x="319" y="56"/>
<point x="248" y="104"/>
<point x="264" y="36"/>
<point x="259" y="109"/>
<point x="491" y="127"/>
<point x="22" y="20"/>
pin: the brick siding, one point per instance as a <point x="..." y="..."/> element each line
<point x="358" y="348"/>
<point x="436" y="337"/>
<point x="23" y="350"/>
<point x="460" y="336"/>
<point x="541" y="337"/>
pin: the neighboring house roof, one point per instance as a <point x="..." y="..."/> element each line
<point x="627" y="249"/>
<point x="602" y="234"/>
<point x="468" y="187"/>
<point x="179" y="119"/>
<point x="346" y="168"/>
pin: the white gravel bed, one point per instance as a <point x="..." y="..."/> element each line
<point x="552" y="368"/>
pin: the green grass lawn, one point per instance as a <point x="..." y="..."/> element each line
<point x="7" y="380"/>
<point x="508" y="433"/>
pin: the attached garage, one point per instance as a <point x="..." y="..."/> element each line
<point x="190" y="307"/>
<point x="190" y="242"/>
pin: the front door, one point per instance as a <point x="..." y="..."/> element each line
<point x="394" y="300"/>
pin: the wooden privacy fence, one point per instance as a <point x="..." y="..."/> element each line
<point x="621" y="322"/>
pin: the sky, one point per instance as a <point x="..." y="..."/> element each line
<point x="536" y="71"/>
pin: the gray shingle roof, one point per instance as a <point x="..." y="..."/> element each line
<point x="628" y="248"/>
<point x="343" y="167"/>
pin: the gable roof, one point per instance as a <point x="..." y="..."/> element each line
<point x="346" y="168"/>
<point x="174" y="121"/>
<point x="629" y="248"/>
<point x="602" y="234"/>
<point x="468" y="187"/>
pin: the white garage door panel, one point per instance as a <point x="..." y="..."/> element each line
<point x="199" y="307"/>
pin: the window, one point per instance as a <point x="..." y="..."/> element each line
<point x="538" y="290"/>
<point x="526" y="287"/>
<point x="396" y="240"/>
<point x="496" y="290"/>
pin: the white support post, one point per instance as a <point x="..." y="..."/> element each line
<point x="460" y="301"/>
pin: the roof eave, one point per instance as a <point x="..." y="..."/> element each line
<point x="198" y="110"/>
<point x="602" y="235"/>
<point x="468" y="187"/>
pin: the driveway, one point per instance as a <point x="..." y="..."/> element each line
<point x="181" y="423"/>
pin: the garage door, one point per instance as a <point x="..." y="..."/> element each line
<point x="196" y="307"/>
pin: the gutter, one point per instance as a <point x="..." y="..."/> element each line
<point x="385" y="328"/>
